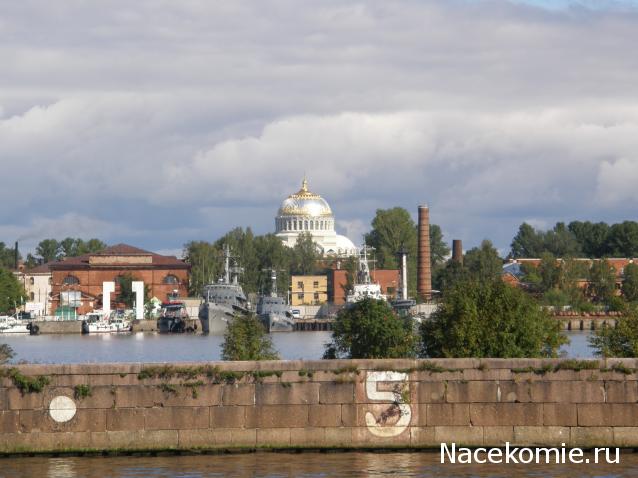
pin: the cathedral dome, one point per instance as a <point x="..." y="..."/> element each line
<point x="305" y="204"/>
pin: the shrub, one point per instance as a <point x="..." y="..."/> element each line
<point x="246" y="339"/>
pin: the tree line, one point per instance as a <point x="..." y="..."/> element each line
<point x="577" y="239"/>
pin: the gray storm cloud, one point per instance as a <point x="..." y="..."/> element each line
<point x="492" y="112"/>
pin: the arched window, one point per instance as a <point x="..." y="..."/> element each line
<point x="32" y="280"/>
<point x="171" y="279"/>
<point x="70" y="280"/>
<point x="32" y="296"/>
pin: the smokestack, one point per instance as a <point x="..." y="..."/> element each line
<point x="424" y="276"/>
<point x="457" y="251"/>
<point x="403" y="261"/>
<point x="16" y="256"/>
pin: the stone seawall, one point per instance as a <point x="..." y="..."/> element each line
<point x="318" y="404"/>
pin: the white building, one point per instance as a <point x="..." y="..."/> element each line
<point x="305" y="211"/>
<point x="37" y="285"/>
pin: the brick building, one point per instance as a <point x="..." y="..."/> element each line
<point x="388" y="279"/>
<point x="77" y="281"/>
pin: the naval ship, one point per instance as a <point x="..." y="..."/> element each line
<point x="273" y="311"/>
<point x="364" y="288"/>
<point x="222" y="300"/>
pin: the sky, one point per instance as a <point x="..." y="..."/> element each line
<point x="158" y="122"/>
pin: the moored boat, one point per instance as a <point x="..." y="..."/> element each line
<point x="273" y="311"/>
<point x="173" y="318"/>
<point x="12" y="325"/>
<point x="97" y="322"/>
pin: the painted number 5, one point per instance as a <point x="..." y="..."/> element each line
<point x="397" y="406"/>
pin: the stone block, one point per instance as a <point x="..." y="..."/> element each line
<point x="176" y="418"/>
<point x="349" y="415"/>
<point x="541" y="436"/>
<point x="100" y="380"/>
<point x="497" y="436"/>
<point x="560" y="414"/>
<point x="292" y="394"/>
<point x="431" y="392"/>
<point x="324" y="415"/>
<point x="308" y="437"/>
<point x="135" y="440"/>
<point x="608" y="414"/>
<point x="227" y="417"/>
<point x="362" y="437"/>
<point x="588" y="437"/>
<point x="273" y="437"/>
<point x="463" y="436"/>
<point x="445" y="414"/>
<point x="9" y="421"/>
<point x="238" y="394"/>
<point x="422" y="437"/>
<point x="336" y="393"/>
<point x="125" y="419"/>
<point x="626" y="437"/>
<point x="503" y="414"/>
<point x="338" y="437"/>
<point x="201" y="438"/>
<point x="101" y="397"/>
<point x="622" y="391"/>
<point x="45" y="442"/>
<point x="28" y="401"/>
<point x="472" y="392"/>
<point x="513" y="391"/>
<point x="567" y="392"/>
<point x="139" y="396"/>
<point x="83" y="420"/>
<point x="277" y="416"/>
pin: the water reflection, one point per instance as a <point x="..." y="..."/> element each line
<point x="306" y="465"/>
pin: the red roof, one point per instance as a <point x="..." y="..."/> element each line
<point x="157" y="260"/>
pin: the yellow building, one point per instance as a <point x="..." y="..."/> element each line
<point x="308" y="290"/>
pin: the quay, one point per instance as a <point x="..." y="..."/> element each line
<point x="292" y="404"/>
<point x="587" y="322"/>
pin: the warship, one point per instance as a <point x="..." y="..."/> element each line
<point x="273" y="311"/>
<point x="222" y="300"/>
<point x="364" y="288"/>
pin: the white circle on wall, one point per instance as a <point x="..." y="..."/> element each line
<point x="62" y="409"/>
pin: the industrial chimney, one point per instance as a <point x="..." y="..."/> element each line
<point x="402" y="255"/>
<point x="424" y="275"/>
<point x="16" y="257"/>
<point x="457" y="251"/>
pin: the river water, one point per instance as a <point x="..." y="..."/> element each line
<point x="307" y="465"/>
<point x="153" y="347"/>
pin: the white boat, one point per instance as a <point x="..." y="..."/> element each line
<point x="364" y="288"/>
<point x="11" y="325"/>
<point x="98" y="322"/>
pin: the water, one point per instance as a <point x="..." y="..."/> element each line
<point x="307" y="465"/>
<point x="153" y="347"/>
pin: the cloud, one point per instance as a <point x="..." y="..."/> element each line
<point x="166" y="122"/>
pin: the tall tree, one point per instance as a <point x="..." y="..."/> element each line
<point x="370" y="329"/>
<point x="619" y="341"/>
<point x="246" y="339"/>
<point x="623" y="239"/>
<point x="7" y="256"/>
<point x="11" y="292"/>
<point x="561" y="242"/>
<point x="483" y="263"/>
<point x="488" y="318"/>
<point x="592" y="237"/>
<point x="126" y="294"/>
<point x="630" y="283"/>
<point x="527" y="242"/>
<point x="305" y="255"/>
<point x="205" y="261"/>
<point x="49" y="250"/>
<point x="602" y="281"/>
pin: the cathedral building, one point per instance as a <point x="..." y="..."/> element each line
<point x="305" y="211"/>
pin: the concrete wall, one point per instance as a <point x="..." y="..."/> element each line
<point x="342" y="404"/>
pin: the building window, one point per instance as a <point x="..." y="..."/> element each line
<point x="316" y="295"/>
<point x="32" y="280"/>
<point x="70" y="280"/>
<point x="300" y="296"/>
<point x="315" y="284"/>
<point x="300" y="285"/>
<point x="171" y="279"/>
<point x="32" y="296"/>
<point x="305" y="225"/>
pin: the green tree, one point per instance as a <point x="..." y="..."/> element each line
<point x="370" y="329"/>
<point x="445" y="277"/>
<point x="393" y="230"/>
<point x="592" y="237"/>
<point x="49" y="250"/>
<point x="6" y="353"/>
<point x="483" y="263"/>
<point x="7" y="256"/>
<point x="11" y="291"/>
<point x="126" y="294"/>
<point x="305" y="255"/>
<point x="623" y="239"/>
<point x="527" y="242"/>
<point x="246" y="339"/>
<point x="602" y="281"/>
<point x="74" y="247"/>
<point x="206" y="265"/>
<point x="561" y="242"/>
<point x="630" y="283"/>
<point x="488" y="318"/>
<point x="619" y="341"/>
<point x="549" y="271"/>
